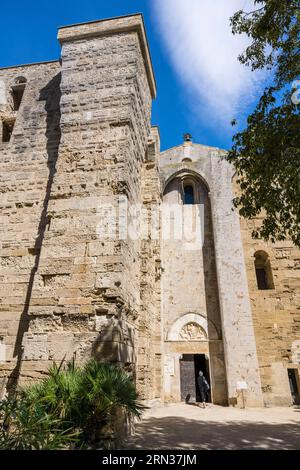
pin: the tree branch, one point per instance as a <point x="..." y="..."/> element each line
<point x="254" y="11"/>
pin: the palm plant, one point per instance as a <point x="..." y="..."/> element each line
<point x="71" y="406"/>
<point x="25" y="425"/>
<point x="106" y="392"/>
<point x="58" y="390"/>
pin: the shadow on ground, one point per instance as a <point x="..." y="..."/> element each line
<point x="182" y="433"/>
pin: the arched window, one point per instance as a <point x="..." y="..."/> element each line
<point x="17" y="91"/>
<point x="263" y="271"/>
<point x="185" y="188"/>
<point x="188" y="192"/>
<point x="186" y="160"/>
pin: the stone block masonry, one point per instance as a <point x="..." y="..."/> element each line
<point x="77" y="153"/>
<point x="71" y="293"/>
<point x="28" y="163"/>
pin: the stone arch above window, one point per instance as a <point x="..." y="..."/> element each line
<point x="20" y="80"/>
<point x="190" y="190"/>
<point x="184" y="173"/>
<point x="186" y="188"/>
<point x="263" y="270"/>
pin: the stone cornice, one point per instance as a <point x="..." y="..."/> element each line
<point x="106" y="27"/>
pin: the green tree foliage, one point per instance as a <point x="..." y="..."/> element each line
<point x="71" y="407"/>
<point x="266" y="155"/>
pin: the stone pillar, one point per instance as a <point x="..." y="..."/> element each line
<point x="86" y="293"/>
<point x="238" y="333"/>
<point x="149" y="344"/>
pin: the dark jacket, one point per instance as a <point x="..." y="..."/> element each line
<point x="203" y="385"/>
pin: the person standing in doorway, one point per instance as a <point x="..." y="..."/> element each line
<point x="203" y="388"/>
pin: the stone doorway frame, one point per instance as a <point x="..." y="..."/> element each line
<point x="205" y="367"/>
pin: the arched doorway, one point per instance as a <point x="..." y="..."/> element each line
<point x="193" y="343"/>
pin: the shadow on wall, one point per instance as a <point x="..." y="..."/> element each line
<point x="115" y="344"/>
<point x="51" y="95"/>
<point x="217" y="360"/>
<point x="181" y="433"/>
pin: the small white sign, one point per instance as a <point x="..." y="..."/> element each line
<point x="2" y="93"/>
<point x="169" y="365"/>
<point x="241" y="385"/>
<point x="2" y="351"/>
<point x="88" y="115"/>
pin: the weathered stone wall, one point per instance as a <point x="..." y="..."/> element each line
<point x="149" y="354"/>
<point x="82" y="293"/>
<point x="276" y="314"/>
<point x="226" y="285"/>
<point x="27" y="166"/>
<point x="74" y="283"/>
<point x="189" y="283"/>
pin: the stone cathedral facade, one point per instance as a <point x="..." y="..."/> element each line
<point x="79" y="160"/>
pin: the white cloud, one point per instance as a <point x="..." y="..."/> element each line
<point x="204" y="52"/>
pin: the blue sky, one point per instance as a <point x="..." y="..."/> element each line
<point x="201" y="86"/>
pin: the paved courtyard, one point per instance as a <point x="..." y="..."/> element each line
<point x="184" y="426"/>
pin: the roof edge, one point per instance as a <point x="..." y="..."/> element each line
<point x="194" y="144"/>
<point x="98" y="21"/>
<point x="30" y="64"/>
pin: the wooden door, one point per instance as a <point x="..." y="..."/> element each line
<point x="187" y="378"/>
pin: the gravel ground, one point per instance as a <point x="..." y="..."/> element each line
<point x="186" y="426"/>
